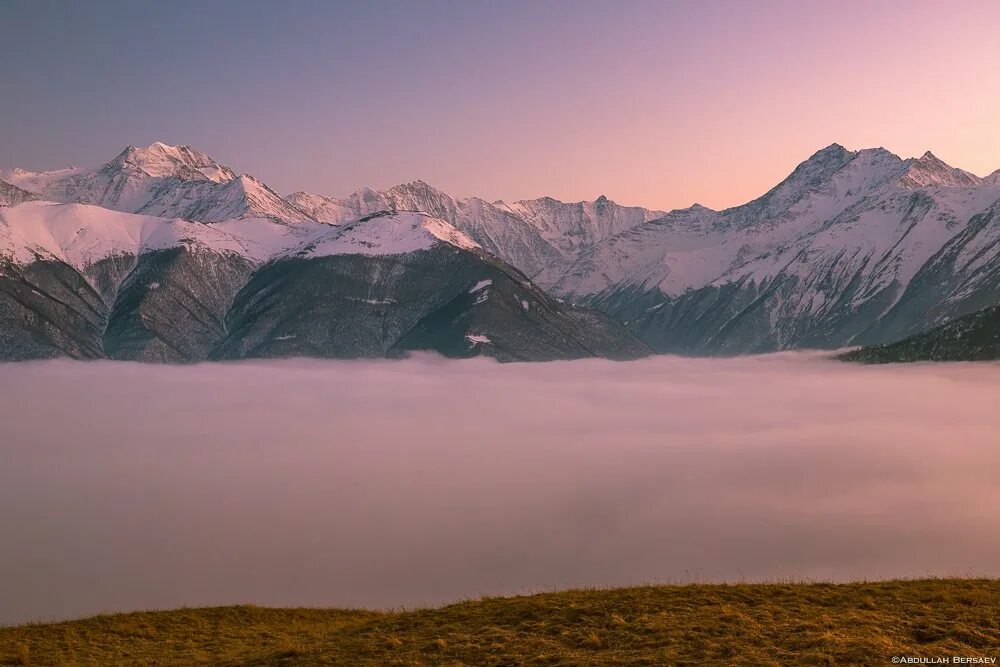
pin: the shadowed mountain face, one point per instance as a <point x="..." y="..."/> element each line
<point x="398" y="303"/>
<point x="11" y="195"/>
<point x="854" y="247"/>
<point x="975" y="337"/>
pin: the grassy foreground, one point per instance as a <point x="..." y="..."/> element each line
<point x="758" y="624"/>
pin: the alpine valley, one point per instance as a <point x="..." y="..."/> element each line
<point x="164" y="254"/>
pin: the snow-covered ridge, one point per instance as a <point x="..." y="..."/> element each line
<point x="388" y="233"/>
<point x="81" y="235"/>
<point x="164" y="181"/>
<point x="529" y="234"/>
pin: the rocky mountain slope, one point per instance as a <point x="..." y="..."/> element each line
<point x="11" y="195"/>
<point x="86" y="282"/>
<point x="974" y="337"/>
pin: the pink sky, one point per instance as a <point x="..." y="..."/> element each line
<point x="661" y="104"/>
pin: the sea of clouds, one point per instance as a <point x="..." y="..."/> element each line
<point x="402" y="483"/>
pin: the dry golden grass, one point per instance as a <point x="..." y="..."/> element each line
<point x="755" y="624"/>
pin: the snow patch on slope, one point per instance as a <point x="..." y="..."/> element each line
<point x="482" y="284"/>
<point x="81" y="235"/>
<point x="388" y="234"/>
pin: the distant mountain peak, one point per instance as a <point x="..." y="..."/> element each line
<point x="833" y="154"/>
<point x="416" y="186"/>
<point x="417" y="183"/>
<point x="699" y="207"/>
<point x="831" y="150"/>
<point x="929" y="170"/>
<point x="160" y="160"/>
<point x="807" y="176"/>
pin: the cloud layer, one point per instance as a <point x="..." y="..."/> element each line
<point x="424" y="481"/>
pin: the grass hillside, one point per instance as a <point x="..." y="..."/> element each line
<point x="766" y="624"/>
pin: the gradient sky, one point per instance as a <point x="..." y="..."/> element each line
<point x="661" y="104"/>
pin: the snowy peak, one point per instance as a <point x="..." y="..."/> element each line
<point x="821" y="164"/>
<point x="163" y="181"/>
<point x="831" y="181"/>
<point x="834" y="153"/>
<point x="929" y="170"/>
<point x="809" y="176"/>
<point x="419" y="196"/>
<point x="162" y="161"/>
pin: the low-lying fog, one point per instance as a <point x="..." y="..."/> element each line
<point x="378" y="484"/>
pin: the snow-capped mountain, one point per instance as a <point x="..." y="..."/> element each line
<point x="529" y="234"/>
<point x="160" y="180"/>
<point x="182" y="182"/>
<point x="853" y="247"/>
<point x="87" y="282"/>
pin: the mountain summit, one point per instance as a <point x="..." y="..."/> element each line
<point x="161" y="180"/>
<point x="929" y="170"/>
<point x="162" y="161"/>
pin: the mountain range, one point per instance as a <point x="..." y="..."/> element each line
<point x="165" y="254"/>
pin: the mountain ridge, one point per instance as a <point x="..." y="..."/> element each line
<point x="528" y="233"/>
